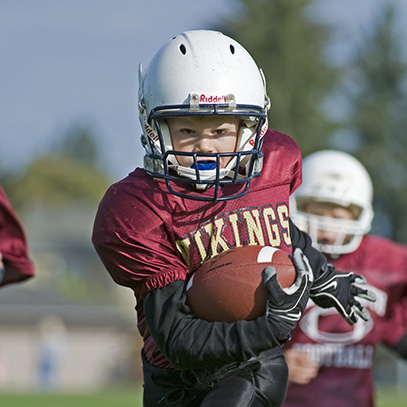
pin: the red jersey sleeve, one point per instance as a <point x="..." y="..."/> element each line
<point x="13" y="245"/>
<point x="131" y="238"/>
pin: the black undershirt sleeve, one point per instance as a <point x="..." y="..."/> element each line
<point x="191" y="343"/>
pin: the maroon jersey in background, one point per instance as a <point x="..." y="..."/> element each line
<point x="13" y="245"/>
<point x="148" y="237"/>
<point x="345" y="353"/>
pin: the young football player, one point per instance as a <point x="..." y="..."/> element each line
<point x="15" y="265"/>
<point x="330" y="363"/>
<point x="203" y="109"/>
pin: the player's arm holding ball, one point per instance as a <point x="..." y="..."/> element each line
<point x="189" y="342"/>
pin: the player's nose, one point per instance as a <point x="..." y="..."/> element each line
<point x="326" y="237"/>
<point x="204" y="145"/>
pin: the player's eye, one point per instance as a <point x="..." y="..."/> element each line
<point x="219" y="132"/>
<point x="186" y="131"/>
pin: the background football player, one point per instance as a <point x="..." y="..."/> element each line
<point x="15" y="264"/>
<point x="203" y="109"/>
<point x="330" y="363"/>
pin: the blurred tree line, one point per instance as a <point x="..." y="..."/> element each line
<point x="56" y="197"/>
<point x="66" y="174"/>
<point x="358" y="106"/>
<point x="377" y="90"/>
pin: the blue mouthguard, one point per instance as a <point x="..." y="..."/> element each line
<point x="205" y="165"/>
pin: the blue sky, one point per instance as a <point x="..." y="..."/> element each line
<point x="66" y="61"/>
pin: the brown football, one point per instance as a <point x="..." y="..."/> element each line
<point x="229" y="287"/>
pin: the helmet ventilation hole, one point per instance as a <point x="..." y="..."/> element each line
<point x="183" y="49"/>
<point x="232" y="49"/>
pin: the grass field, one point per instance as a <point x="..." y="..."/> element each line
<point x="390" y="397"/>
<point x="386" y="397"/>
<point x="112" y="398"/>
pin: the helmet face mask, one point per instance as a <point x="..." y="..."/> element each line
<point x="199" y="73"/>
<point x="348" y="233"/>
<point x="337" y="179"/>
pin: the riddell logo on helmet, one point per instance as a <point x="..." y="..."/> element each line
<point x="150" y="132"/>
<point x="212" y="99"/>
<point x="262" y="133"/>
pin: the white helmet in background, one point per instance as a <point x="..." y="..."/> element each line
<point x="334" y="177"/>
<point x="202" y="73"/>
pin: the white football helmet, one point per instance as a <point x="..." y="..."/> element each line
<point x="202" y="73"/>
<point x="338" y="178"/>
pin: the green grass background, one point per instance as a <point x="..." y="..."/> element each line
<point x="127" y="397"/>
<point x="131" y="397"/>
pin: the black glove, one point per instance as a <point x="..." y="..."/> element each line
<point x="286" y="305"/>
<point x="336" y="289"/>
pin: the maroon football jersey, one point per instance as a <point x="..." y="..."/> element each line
<point x="148" y="237"/>
<point x="13" y="245"/>
<point x="345" y="353"/>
